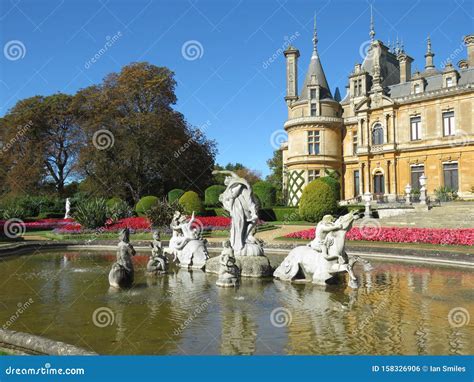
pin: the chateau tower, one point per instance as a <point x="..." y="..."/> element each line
<point x="314" y="125"/>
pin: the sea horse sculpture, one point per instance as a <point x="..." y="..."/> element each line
<point x="122" y="273"/>
<point x="325" y="257"/>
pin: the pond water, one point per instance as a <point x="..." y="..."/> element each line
<point x="399" y="309"/>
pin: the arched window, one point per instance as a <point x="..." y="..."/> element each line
<point x="377" y="134"/>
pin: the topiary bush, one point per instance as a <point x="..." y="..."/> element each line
<point x="334" y="184"/>
<point x="266" y="193"/>
<point x="113" y="201"/>
<point x="318" y="199"/>
<point x="91" y="213"/>
<point x="211" y="195"/>
<point x="145" y="204"/>
<point x="175" y="194"/>
<point x="190" y="202"/>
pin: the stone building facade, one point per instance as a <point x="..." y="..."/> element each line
<point x="391" y="127"/>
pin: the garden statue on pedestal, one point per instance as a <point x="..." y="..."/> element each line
<point x="67" y="215"/>
<point x="228" y="272"/>
<point x="325" y="258"/>
<point x="186" y="244"/>
<point x="158" y="263"/>
<point x="238" y="200"/>
<point x="121" y="275"/>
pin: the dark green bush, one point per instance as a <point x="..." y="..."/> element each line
<point x="161" y="213"/>
<point x="118" y="209"/>
<point x="175" y="194"/>
<point x="91" y="213"/>
<point x="211" y="195"/>
<point x="334" y="184"/>
<point x="317" y="200"/>
<point x="113" y="201"/>
<point x="445" y="194"/>
<point x="190" y="202"/>
<point x="13" y="212"/>
<point x="266" y="193"/>
<point x="145" y="204"/>
<point x="283" y="214"/>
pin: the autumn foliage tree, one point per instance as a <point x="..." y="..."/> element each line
<point x="137" y="144"/>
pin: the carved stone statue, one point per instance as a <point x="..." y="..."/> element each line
<point x="186" y="245"/>
<point x="122" y="273"/>
<point x="229" y="273"/>
<point x="67" y="215"/>
<point x="325" y="257"/>
<point x="239" y="201"/>
<point x="158" y="263"/>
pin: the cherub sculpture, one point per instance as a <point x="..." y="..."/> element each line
<point x="122" y="272"/>
<point x="158" y="262"/>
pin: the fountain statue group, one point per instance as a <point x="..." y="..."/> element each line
<point x="321" y="262"/>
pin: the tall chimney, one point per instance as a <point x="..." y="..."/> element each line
<point x="469" y="42"/>
<point x="405" y="66"/>
<point x="291" y="54"/>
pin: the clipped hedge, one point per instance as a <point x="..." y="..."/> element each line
<point x="283" y="214"/>
<point x="145" y="204"/>
<point x="334" y="184"/>
<point x="266" y="193"/>
<point x="318" y="199"/>
<point x="191" y="202"/>
<point x="112" y="202"/>
<point x="211" y="195"/>
<point x="175" y="194"/>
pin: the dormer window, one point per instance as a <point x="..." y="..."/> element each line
<point x="417" y="89"/>
<point x="312" y="94"/>
<point x="449" y="82"/>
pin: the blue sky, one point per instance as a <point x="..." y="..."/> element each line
<point x="226" y="82"/>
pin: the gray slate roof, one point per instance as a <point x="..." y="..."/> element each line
<point x="315" y="70"/>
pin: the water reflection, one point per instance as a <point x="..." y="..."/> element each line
<point x="399" y="309"/>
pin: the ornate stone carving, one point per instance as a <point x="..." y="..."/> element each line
<point x="229" y="273"/>
<point x="158" y="262"/>
<point x="186" y="243"/>
<point x="324" y="258"/>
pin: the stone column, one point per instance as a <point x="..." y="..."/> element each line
<point x="360" y="141"/>
<point x="386" y="185"/>
<point x="361" y="179"/>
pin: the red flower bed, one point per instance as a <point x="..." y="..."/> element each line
<point x="461" y="236"/>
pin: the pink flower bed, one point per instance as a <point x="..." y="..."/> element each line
<point x="206" y="223"/>
<point x="461" y="236"/>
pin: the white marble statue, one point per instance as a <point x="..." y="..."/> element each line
<point x="67" y="215"/>
<point x="324" y="258"/>
<point x="239" y="201"/>
<point x="122" y="273"/>
<point x="185" y="244"/>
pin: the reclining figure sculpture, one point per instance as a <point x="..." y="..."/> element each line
<point x="324" y="258"/>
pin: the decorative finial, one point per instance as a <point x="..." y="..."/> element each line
<point x="372" y="30"/>
<point x="315" y="38"/>
<point x="397" y="46"/>
<point x="428" y="45"/>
